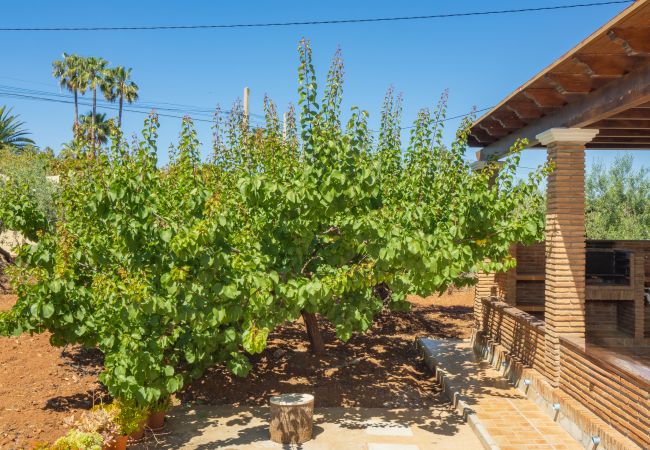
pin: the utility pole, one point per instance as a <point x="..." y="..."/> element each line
<point x="246" y="94"/>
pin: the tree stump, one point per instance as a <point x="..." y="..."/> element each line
<point x="292" y="418"/>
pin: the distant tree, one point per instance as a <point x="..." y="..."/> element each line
<point x="94" y="71"/>
<point x="118" y="85"/>
<point x="23" y="184"/>
<point x="618" y="201"/>
<point x="12" y="131"/>
<point x="95" y="127"/>
<point x="69" y="72"/>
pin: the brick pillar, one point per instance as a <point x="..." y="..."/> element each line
<point x="565" y="241"/>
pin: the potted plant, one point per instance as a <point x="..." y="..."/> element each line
<point x="78" y="440"/>
<point x="103" y="420"/>
<point x="156" y="419"/>
<point x="130" y="418"/>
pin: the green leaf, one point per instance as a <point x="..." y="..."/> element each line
<point x="48" y="310"/>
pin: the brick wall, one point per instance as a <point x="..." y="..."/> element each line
<point x="601" y="316"/>
<point x="521" y="334"/>
<point x="531" y="258"/>
<point x="619" y="399"/>
<point x="530" y="292"/>
<point x="605" y="396"/>
<point x="625" y="317"/>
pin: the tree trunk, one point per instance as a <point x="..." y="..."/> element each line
<point x="6" y="255"/>
<point x="315" y="337"/>
<point x="76" y="110"/>
<point x="119" y="114"/>
<point x="92" y="129"/>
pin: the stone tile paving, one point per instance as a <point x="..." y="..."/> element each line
<point x="221" y="427"/>
<point x="513" y="421"/>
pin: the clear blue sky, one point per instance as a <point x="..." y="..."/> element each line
<point x="479" y="59"/>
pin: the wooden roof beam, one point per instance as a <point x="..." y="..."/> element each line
<point x="634" y="114"/>
<point x="626" y="146"/>
<point x="570" y="83"/>
<point x="620" y="124"/>
<point x="526" y="110"/>
<point x="629" y="91"/>
<point x="634" y="40"/>
<point x="603" y="66"/>
<point x="545" y="98"/>
<point x="623" y="133"/>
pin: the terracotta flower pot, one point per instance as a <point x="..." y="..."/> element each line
<point x="156" y="420"/>
<point x="118" y="444"/>
<point x="139" y="433"/>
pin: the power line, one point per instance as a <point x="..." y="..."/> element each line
<point x="33" y="94"/>
<point x="108" y="106"/>
<point x="315" y="22"/>
<point x="175" y="107"/>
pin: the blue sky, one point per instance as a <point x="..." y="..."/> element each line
<point x="479" y="59"/>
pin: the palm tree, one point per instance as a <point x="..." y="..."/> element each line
<point x="94" y="70"/>
<point x="95" y="128"/>
<point x="12" y="133"/>
<point x="69" y="72"/>
<point x="118" y="84"/>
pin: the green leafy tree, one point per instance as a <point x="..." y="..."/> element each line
<point x="119" y="86"/>
<point x="12" y="131"/>
<point x="618" y="200"/>
<point x="28" y="195"/>
<point x="70" y="73"/>
<point x="171" y="270"/>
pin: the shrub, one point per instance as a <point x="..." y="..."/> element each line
<point x="78" y="440"/>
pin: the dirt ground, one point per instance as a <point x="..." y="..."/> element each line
<point x="40" y="386"/>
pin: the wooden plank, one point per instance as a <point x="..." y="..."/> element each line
<point x="605" y="65"/>
<point x="583" y="47"/>
<point x="566" y="83"/>
<point x="545" y="97"/>
<point x="634" y="114"/>
<point x="634" y="40"/>
<point x="597" y="146"/>
<point x="628" y="92"/>
<point x="622" y="133"/>
<point x="621" y="124"/>
<point x="508" y="119"/>
<point x="621" y="141"/>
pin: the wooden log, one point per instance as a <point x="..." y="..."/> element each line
<point x="292" y="418"/>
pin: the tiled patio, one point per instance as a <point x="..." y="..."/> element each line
<point x="224" y="427"/>
<point x="510" y="419"/>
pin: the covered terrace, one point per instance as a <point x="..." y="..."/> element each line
<point x="574" y="315"/>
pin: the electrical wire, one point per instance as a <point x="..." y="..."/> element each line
<point x="314" y="22"/>
<point x="204" y="114"/>
<point x="107" y="106"/>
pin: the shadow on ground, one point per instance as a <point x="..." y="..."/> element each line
<point x="202" y="427"/>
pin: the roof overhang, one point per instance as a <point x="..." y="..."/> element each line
<point x="602" y="83"/>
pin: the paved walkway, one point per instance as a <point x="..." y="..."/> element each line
<point x="221" y="427"/>
<point x="513" y="422"/>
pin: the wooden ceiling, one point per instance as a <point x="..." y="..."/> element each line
<point x="601" y="83"/>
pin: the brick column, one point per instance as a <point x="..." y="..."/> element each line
<point x="565" y="241"/>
